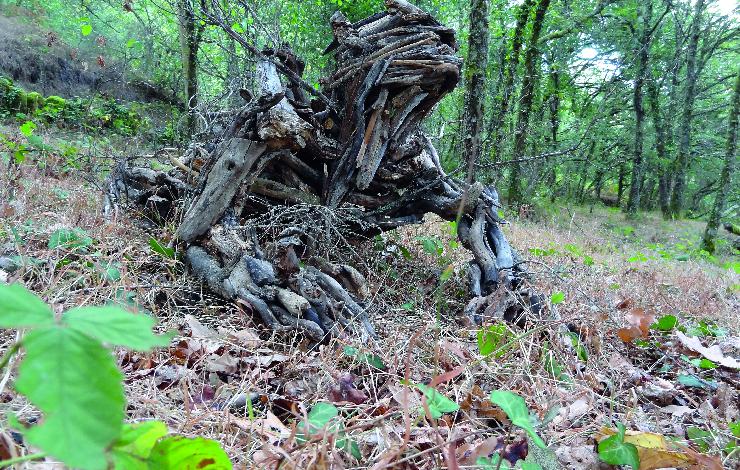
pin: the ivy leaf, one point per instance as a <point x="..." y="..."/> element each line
<point x="135" y="445"/>
<point x="74" y="381"/>
<point x="182" y="453"/>
<point x="116" y="326"/>
<point x="19" y="308"/>
<point x="161" y="249"/>
<point x="516" y="409"/>
<point x="613" y="450"/>
<point x="437" y="403"/>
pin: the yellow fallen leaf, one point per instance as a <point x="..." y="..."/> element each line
<point x="652" y="449"/>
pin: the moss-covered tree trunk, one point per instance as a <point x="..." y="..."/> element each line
<point x="725" y="180"/>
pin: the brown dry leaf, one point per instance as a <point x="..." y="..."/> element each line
<point x="626" y="303"/>
<point x="477" y="402"/>
<point x="269" y="427"/>
<point x="639" y="321"/>
<point x="199" y="330"/>
<point x="653" y="450"/>
<point x="713" y="353"/>
<point x="581" y="457"/>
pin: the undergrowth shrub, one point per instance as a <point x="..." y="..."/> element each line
<point x="70" y="375"/>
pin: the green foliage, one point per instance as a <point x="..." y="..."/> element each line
<point x="69" y="239"/>
<point x="665" y="323"/>
<point x="161" y="249"/>
<point x="21" y="309"/>
<point x="516" y="409"/>
<point x="493" y="338"/>
<point x="72" y="378"/>
<point x="557" y="297"/>
<point x="371" y="359"/>
<point x="437" y="403"/>
<point x="613" y="450"/>
<point x="324" y="417"/>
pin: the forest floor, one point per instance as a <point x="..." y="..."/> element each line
<point x="593" y="358"/>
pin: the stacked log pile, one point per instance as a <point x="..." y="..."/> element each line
<point x="354" y="146"/>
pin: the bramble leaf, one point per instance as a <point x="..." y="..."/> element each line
<point x="74" y="381"/>
<point x="20" y="308"/>
<point x="116" y="326"/>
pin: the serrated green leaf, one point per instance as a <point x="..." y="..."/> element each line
<point x="161" y="249"/>
<point x="613" y="450"/>
<point x="557" y="297"/>
<point x="516" y="409"/>
<point x="137" y="440"/>
<point x="116" y="326"/>
<point x="182" y="453"/>
<point x="437" y="403"/>
<point x="74" y="381"/>
<point x="20" y="308"/>
<point x="86" y="29"/>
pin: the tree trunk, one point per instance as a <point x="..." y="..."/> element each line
<point x="664" y="180"/>
<point x="687" y="113"/>
<point x="189" y="33"/>
<point x="525" y="102"/>
<point x="347" y="167"/>
<point x="720" y="199"/>
<point x="497" y="122"/>
<point x="475" y="85"/>
<point x="645" y="14"/>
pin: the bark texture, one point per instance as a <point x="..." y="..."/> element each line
<point x="351" y="162"/>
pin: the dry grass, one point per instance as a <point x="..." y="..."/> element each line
<point x="198" y="385"/>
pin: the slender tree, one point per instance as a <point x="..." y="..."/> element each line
<point x="475" y="84"/>
<point x="687" y="112"/>
<point x="720" y="199"/>
<point x="526" y="99"/>
<point x="642" y="53"/>
<point x="190" y="32"/>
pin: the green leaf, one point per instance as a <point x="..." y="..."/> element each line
<point x="431" y="245"/>
<point x="516" y="409"/>
<point x="74" y="381"/>
<point x="320" y="415"/>
<point x="182" y="453"/>
<point x="701" y="438"/>
<point x="492" y="338"/>
<point x="437" y="403"/>
<point x="734" y="428"/>
<point x="86" y="29"/>
<point x="580" y="349"/>
<point x="613" y="450"/>
<point x="447" y="273"/>
<point x="237" y="28"/>
<point x="116" y="326"/>
<point x="529" y="465"/>
<point x="69" y="238"/>
<point x="19" y="308"/>
<point x="691" y="381"/>
<point x="557" y="298"/>
<point x="665" y="323"/>
<point x="161" y="249"/>
<point x="135" y="445"/>
<point x="372" y="359"/>
<point x="27" y="128"/>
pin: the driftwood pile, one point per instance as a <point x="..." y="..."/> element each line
<point x="354" y="146"/>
